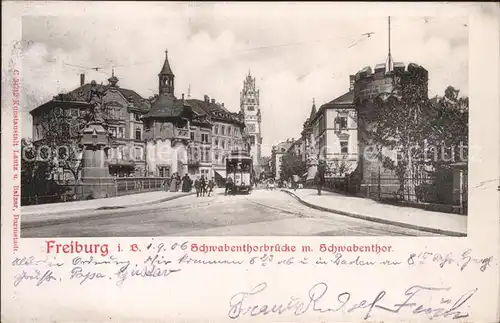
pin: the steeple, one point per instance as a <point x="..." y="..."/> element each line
<point x="313" y="110"/>
<point x="166" y="78"/>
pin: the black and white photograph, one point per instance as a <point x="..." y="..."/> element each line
<point x="217" y="123"/>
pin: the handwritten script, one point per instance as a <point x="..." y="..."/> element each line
<point x="449" y="304"/>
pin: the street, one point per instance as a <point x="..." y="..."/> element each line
<point x="262" y="213"/>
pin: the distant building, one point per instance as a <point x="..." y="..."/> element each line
<point x="277" y="153"/>
<point x="250" y="107"/>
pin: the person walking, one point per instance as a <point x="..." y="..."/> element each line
<point x="211" y="185"/>
<point x="229" y="185"/>
<point x="295" y="182"/>
<point x="203" y="185"/>
<point x="320" y="176"/>
<point x="197" y="186"/>
<point x="186" y="183"/>
<point x="173" y="184"/>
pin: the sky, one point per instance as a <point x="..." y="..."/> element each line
<point x="296" y="52"/>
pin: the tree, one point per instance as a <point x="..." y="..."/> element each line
<point x="292" y="164"/>
<point x="61" y="140"/>
<point x="400" y="124"/>
<point x="449" y="136"/>
<point x="339" y="167"/>
<point x="36" y="176"/>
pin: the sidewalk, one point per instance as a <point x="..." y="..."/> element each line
<point x="366" y="209"/>
<point x="111" y="202"/>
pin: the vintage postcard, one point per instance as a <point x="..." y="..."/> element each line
<point x="252" y="162"/>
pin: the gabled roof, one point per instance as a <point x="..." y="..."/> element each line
<point x="214" y="110"/>
<point x="344" y="99"/>
<point x="82" y="94"/>
<point x="166" y="70"/>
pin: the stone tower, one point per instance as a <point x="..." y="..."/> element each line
<point x="250" y="107"/>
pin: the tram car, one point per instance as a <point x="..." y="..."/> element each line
<point x="239" y="166"/>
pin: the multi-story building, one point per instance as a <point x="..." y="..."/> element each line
<point x="334" y="129"/>
<point x="124" y="108"/>
<point x="277" y="153"/>
<point x="227" y="133"/>
<point x="195" y="135"/>
<point x="250" y="107"/>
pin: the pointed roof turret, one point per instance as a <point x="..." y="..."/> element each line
<point x="166" y="70"/>
<point x="313" y="110"/>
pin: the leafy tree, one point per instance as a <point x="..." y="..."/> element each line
<point x="339" y="167"/>
<point x="449" y="135"/>
<point x="61" y="140"/>
<point x="36" y="176"/>
<point x="292" y="164"/>
<point x="400" y="123"/>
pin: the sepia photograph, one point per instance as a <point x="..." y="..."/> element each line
<point x="198" y="126"/>
<point x="250" y="162"/>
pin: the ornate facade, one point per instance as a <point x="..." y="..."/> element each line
<point x="250" y="107"/>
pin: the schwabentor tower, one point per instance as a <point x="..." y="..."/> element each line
<point x="250" y="107"/>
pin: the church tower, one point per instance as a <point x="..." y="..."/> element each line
<point x="166" y="78"/>
<point x="250" y="108"/>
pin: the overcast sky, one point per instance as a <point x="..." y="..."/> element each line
<point x="295" y="52"/>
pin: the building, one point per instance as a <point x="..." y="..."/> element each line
<point x="250" y="107"/>
<point x="334" y="130"/>
<point x="124" y="109"/>
<point x="298" y="148"/>
<point x="227" y="132"/>
<point x="189" y="136"/>
<point x="277" y="153"/>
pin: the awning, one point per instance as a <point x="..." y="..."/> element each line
<point x="221" y="173"/>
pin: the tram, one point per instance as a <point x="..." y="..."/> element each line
<point x="239" y="166"/>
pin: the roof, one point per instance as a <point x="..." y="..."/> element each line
<point x="82" y="94"/>
<point x="214" y="110"/>
<point x="166" y="105"/>
<point x="166" y="70"/>
<point x="344" y="99"/>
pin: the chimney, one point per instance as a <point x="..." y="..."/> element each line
<point x="222" y="103"/>
<point x="82" y="79"/>
<point x="352" y="79"/>
<point x="207" y="99"/>
<point x="213" y="101"/>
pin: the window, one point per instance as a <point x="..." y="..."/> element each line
<point x="223" y="143"/>
<point x="112" y="130"/>
<point x="138" y="153"/>
<point x="222" y="130"/>
<point x="216" y="156"/>
<point x="216" y="130"/>
<point x="163" y="171"/>
<point x="216" y="143"/>
<point x="137" y="117"/>
<point x="344" y="147"/>
<point x="138" y="133"/>
<point x="342" y="122"/>
<point x="202" y="156"/>
<point x="251" y="108"/>
<point x="121" y="132"/>
<point x="207" y="158"/>
<point x="192" y="135"/>
<point x="204" y="138"/>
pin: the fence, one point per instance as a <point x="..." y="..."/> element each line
<point x="118" y="187"/>
<point x="435" y="191"/>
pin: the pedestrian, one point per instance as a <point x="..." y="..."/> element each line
<point x="197" y="186"/>
<point x="295" y="181"/>
<point x="203" y="185"/>
<point x="178" y="182"/>
<point x="211" y="185"/>
<point x="186" y="183"/>
<point x="173" y="184"/>
<point x="229" y="185"/>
